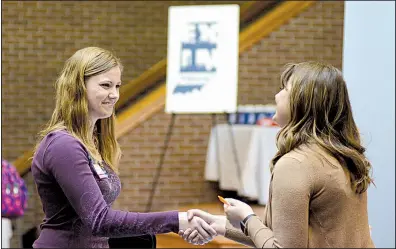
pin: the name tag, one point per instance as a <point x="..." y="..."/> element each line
<point x="100" y="172"/>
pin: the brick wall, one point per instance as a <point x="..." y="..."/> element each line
<point x="315" y="34"/>
<point x="37" y="37"/>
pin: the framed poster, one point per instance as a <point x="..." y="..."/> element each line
<point x="202" y="60"/>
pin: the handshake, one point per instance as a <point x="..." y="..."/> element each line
<point x="199" y="227"/>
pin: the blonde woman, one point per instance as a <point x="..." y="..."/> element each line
<point x="75" y="163"/>
<point x="320" y="175"/>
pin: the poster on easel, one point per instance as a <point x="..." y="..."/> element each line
<point x="202" y="60"/>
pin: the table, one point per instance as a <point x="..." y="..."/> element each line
<point x="254" y="147"/>
<point x="6" y="232"/>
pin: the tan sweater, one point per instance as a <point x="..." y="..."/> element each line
<point x="311" y="204"/>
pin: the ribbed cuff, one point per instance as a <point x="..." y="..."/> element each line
<point x="182" y="221"/>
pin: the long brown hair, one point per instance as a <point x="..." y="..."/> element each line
<point x="320" y="112"/>
<point x="71" y="106"/>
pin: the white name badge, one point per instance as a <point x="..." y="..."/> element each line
<point x="101" y="173"/>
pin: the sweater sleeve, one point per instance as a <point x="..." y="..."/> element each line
<point x="237" y="235"/>
<point x="291" y="190"/>
<point x="67" y="160"/>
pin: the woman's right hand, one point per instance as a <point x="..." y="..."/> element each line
<point x="197" y="228"/>
<point x="217" y="222"/>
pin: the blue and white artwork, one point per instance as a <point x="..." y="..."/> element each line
<point x="197" y="55"/>
<point x="196" y="52"/>
<point x="202" y="50"/>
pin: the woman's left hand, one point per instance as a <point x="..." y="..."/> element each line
<point x="236" y="211"/>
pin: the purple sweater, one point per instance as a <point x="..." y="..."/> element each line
<point x="77" y="200"/>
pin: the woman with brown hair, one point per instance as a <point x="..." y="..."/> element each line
<point x="320" y="175"/>
<point x="76" y="161"/>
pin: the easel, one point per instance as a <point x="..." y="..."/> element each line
<point x="161" y="161"/>
<point x="165" y="148"/>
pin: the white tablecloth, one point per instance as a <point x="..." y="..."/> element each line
<point x="255" y="146"/>
<point x="6" y="232"/>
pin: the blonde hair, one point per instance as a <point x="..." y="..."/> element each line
<point x="320" y="112"/>
<point x="71" y="106"/>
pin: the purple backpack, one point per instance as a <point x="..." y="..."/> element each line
<point x="13" y="192"/>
